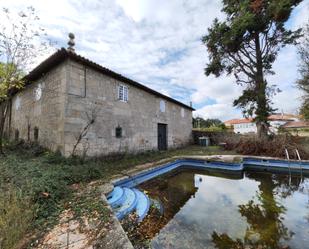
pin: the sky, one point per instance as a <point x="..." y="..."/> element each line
<point x="158" y="43"/>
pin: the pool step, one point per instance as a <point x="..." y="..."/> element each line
<point x="143" y="204"/>
<point x="128" y="204"/>
<point x="115" y="198"/>
<point x="126" y="200"/>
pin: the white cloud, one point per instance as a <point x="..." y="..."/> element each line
<point x="157" y="42"/>
<point x="220" y="111"/>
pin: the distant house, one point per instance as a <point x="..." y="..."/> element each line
<point x="300" y="128"/>
<point x="241" y="126"/>
<point x="71" y="103"/>
<point x="246" y="125"/>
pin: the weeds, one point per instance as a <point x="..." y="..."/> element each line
<point x="273" y="147"/>
<point x="16" y="215"/>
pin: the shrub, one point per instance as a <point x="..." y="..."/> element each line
<point x="273" y="147"/>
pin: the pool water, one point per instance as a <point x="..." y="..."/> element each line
<point x="200" y="209"/>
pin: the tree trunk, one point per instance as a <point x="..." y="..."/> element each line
<point x="3" y="115"/>
<point x="261" y="110"/>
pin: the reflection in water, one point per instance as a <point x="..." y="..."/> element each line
<point x="203" y="210"/>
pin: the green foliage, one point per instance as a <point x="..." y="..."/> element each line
<point x="304" y="110"/>
<point x="199" y="122"/>
<point x="246" y="44"/>
<point x="303" y="82"/>
<point x="11" y="78"/>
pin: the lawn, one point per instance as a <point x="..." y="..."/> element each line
<point x="36" y="185"/>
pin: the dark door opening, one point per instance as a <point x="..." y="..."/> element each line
<point x="162" y="136"/>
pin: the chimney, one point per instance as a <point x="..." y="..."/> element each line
<point x="71" y="43"/>
<point x="190" y="103"/>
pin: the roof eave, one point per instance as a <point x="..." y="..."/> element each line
<point x="63" y="54"/>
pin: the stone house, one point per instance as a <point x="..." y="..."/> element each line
<point x="71" y="104"/>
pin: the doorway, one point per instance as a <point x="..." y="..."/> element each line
<point x="162" y="136"/>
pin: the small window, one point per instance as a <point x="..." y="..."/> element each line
<point x="16" y="135"/>
<point x="118" y="132"/>
<point x="182" y="111"/>
<point x="162" y="106"/>
<point x="17" y="103"/>
<point x="28" y="132"/>
<point x="123" y="93"/>
<point x="36" y="134"/>
<point x="38" y="92"/>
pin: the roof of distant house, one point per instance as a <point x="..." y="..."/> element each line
<point x="285" y="117"/>
<point x="238" y="121"/>
<point x="63" y="54"/>
<point x="297" y="124"/>
<point x="273" y="117"/>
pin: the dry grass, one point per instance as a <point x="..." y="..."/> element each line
<point x="273" y="147"/>
<point x="15" y="217"/>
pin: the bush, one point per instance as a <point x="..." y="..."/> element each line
<point x="273" y="147"/>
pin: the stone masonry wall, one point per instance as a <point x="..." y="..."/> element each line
<point x="41" y="106"/>
<point x="93" y="94"/>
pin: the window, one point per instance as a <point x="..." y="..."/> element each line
<point x="38" y="92"/>
<point x="36" y="133"/>
<point x="28" y="132"/>
<point x="162" y="106"/>
<point x="182" y="111"/>
<point x="123" y="93"/>
<point x="118" y="132"/>
<point x="17" y="103"/>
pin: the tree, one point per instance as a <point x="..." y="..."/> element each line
<point x="246" y="44"/>
<point x="20" y="44"/>
<point x="199" y="122"/>
<point x="303" y="82"/>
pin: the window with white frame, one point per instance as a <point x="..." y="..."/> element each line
<point x="162" y="106"/>
<point x="123" y="93"/>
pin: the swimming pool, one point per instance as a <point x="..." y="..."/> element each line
<point x="200" y="204"/>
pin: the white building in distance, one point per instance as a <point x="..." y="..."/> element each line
<point x="247" y="125"/>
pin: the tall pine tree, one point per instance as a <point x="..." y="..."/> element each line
<point x="303" y="81"/>
<point x="246" y="44"/>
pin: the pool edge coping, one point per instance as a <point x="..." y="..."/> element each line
<point x="136" y="170"/>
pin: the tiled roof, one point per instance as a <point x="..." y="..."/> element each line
<point x="297" y="124"/>
<point x="238" y="121"/>
<point x="63" y="54"/>
<point x="285" y="117"/>
<point x="273" y="117"/>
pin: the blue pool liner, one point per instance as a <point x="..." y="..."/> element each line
<point x="126" y="198"/>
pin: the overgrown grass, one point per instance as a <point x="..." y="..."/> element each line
<point x="35" y="184"/>
<point x="17" y="213"/>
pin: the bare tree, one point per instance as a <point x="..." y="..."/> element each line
<point x="91" y="118"/>
<point x="21" y="43"/>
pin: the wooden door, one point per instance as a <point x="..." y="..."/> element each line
<point x="162" y="136"/>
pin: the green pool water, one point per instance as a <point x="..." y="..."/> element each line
<point x="206" y="210"/>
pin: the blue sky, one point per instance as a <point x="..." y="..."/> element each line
<point x="158" y="43"/>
